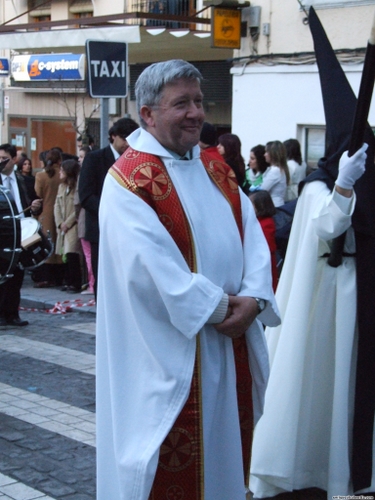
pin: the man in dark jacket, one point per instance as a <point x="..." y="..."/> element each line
<point x="10" y="289"/>
<point x="94" y="169"/>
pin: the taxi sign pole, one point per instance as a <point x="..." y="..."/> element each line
<point x="1" y="110"/>
<point x="104" y="121"/>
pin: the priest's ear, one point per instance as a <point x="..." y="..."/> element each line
<point x="147" y="115"/>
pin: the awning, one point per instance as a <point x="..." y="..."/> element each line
<point x="68" y="37"/>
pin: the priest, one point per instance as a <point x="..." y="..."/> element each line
<point x="185" y="285"/>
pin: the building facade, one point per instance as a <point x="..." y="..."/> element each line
<point x="45" y="96"/>
<point x="276" y="88"/>
<point x="268" y="89"/>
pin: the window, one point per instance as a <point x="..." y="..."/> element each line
<point x="81" y="8"/>
<point x="39" y="14"/>
<point x="314" y="145"/>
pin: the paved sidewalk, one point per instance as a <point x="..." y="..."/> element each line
<point x="47" y="298"/>
<point x="47" y="400"/>
<point x="47" y="407"/>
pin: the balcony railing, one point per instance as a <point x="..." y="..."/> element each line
<point x="164" y="9"/>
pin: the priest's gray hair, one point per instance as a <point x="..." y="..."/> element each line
<point x="151" y="82"/>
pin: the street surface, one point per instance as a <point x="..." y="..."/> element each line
<point x="47" y="408"/>
<point x="47" y="401"/>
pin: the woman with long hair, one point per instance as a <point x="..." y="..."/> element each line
<point x="229" y="146"/>
<point x="276" y="176"/>
<point x="67" y="243"/>
<point x="25" y="173"/>
<point x="46" y="186"/>
<point x="24" y="167"/>
<point x="85" y="244"/>
<point x="297" y="167"/>
<point x="257" y="167"/>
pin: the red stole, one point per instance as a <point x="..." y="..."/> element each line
<point x="180" y="472"/>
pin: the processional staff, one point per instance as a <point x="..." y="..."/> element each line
<point x="358" y="128"/>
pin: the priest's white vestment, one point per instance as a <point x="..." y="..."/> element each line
<point x="303" y="439"/>
<point x="150" y="310"/>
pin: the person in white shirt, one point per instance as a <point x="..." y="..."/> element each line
<point x="276" y="177"/>
<point x="296" y="166"/>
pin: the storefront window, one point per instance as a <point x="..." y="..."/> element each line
<point x="18" y="122"/>
<point x="32" y="135"/>
<point x="46" y="134"/>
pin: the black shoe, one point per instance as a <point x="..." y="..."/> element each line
<point x="17" y="322"/>
<point x="3" y="323"/>
<point x="64" y="288"/>
<point x="73" y="289"/>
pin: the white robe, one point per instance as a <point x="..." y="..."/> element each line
<point x="150" y="309"/>
<point x="303" y="438"/>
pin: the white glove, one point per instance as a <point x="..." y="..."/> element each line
<point x="351" y="169"/>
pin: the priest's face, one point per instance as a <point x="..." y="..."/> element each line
<point x="177" y="120"/>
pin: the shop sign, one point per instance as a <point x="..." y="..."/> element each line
<point x="226" y="28"/>
<point x="48" y="67"/>
<point x="4" y="67"/>
<point x="106" y="65"/>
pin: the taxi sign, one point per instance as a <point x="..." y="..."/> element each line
<point x="106" y="63"/>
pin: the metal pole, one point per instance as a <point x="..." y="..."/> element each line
<point x="104" y="121"/>
<point x="1" y="110"/>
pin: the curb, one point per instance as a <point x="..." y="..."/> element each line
<point x="30" y="302"/>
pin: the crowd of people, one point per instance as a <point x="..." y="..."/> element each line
<point x="271" y="179"/>
<point x="68" y="221"/>
<point x="67" y="224"/>
<point x="69" y="213"/>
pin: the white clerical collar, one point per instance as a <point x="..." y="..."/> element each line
<point x="116" y="154"/>
<point x="176" y="156"/>
<point x="141" y="140"/>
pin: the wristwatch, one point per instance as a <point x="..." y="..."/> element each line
<point x="261" y="304"/>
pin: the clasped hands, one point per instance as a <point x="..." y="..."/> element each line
<point x="64" y="227"/>
<point x="242" y="311"/>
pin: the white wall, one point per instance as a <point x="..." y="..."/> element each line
<point x="271" y="103"/>
<point x="348" y="26"/>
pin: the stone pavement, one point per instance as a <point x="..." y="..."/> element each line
<point x="47" y="399"/>
<point x="46" y="298"/>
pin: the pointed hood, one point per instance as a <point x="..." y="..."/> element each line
<point x="339" y="108"/>
<point x="338" y="98"/>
